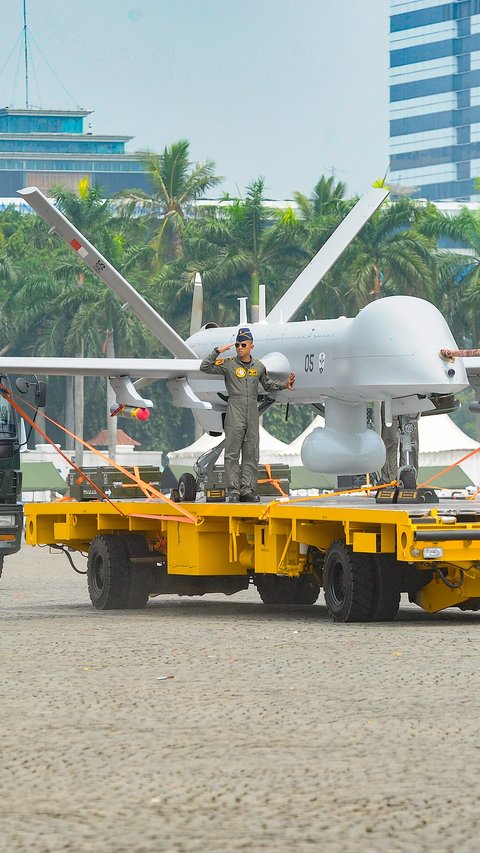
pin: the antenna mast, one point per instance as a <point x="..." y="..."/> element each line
<point x="25" y="49"/>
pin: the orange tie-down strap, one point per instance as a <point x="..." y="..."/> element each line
<point x="272" y="481"/>
<point x="449" y="468"/>
<point x="305" y="498"/>
<point x="148" y="490"/>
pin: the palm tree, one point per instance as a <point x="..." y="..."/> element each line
<point x="176" y="184"/>
<point x="389" y="256"/>
<point x="96" y="319"/>
<point x="64" y="309"/>
<point x="326" y="198"/>
<point x="7" y="278"/>
<point x="241" y="245"/>
<point x="458" y="283"/>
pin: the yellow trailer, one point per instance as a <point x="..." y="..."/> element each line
<point x="362" y="553"/>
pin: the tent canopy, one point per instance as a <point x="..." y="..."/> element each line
<point x="271" y="450"/>
<point x="41" y="477"/>
<point x="456" y="478"/>
<point x="439" y="432"/>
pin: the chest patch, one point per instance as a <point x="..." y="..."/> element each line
<point x="240" y="372"/>
<point x="252" y="372"/>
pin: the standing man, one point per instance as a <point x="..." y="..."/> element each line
<point x="242" y="375"/>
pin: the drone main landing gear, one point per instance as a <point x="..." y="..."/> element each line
<point x="187" y="488"/>
<point x="190" y="484"/>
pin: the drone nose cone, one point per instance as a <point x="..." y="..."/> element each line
<point x="400" y="325"/>
<point x="396" y="341"/>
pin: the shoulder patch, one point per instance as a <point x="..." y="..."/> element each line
<point x="219" y="361"/>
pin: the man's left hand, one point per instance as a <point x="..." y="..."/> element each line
<point x="290" y="381"/>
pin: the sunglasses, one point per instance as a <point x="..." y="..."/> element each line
<point x="240" y="345"/>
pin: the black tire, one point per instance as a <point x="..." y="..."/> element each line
<point x="139" y="584"/>
<point x="408" y="477"/>
<point x="308" y="590"/>
<point x="348" y="584"/>
<point x="274" y="590"/>
<point x="107" y="572"/>
<point x="187" y="487"/>
<point x="387" y="588"/>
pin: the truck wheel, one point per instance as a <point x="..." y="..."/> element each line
<point x="187" y="487"/>
<point x="107" y="572"/>
<point x="347" y="584"/>
<point x="274" y="590"/>
<point x="308" y="590"/>
<point x="387" y="585"/>
<point x="139" y="584"/>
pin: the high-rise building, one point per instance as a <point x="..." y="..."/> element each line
<point x="45" y="148"/>
<point x="435" y="97"/>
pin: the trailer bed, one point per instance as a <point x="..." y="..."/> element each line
<point x="351" y="545"/>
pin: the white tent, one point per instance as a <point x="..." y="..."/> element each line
<point x="442" y="443"/>
<point x="272" y="450"/>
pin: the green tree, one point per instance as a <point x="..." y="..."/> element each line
<point x="458" y="281"/>
<point x="65" y="310"/>
<point x="327" y="198"/>
<point x="240" y="245"/>
<point x="388" y="257"/>
<point x="176" y="184"/>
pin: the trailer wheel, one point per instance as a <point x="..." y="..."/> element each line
<point x="139" y="583"/>
<point x="308" y="589"/>
<point x="187" y="487"/>
<point x="387" y="588"/>
<point x="347" y="584"/>
<point x="274" y="590"/>
<point x="107" y="572"/>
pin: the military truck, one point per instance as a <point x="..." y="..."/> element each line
<point x="12" y="435"/>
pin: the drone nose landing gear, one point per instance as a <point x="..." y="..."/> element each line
<point x="408" y="435"/>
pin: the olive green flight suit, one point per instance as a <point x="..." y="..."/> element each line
<point x="241" y="421"/>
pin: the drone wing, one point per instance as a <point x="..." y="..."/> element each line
<point x="318" y="267"/>
<point x="92" y="258"/>
<point x="161" y="368"/>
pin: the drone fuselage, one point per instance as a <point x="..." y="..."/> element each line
<point x="389" y="352"/>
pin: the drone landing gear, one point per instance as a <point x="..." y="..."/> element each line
<point x="408" y="440"/>
<point x="187" y="488"/>
<point x="190" y="484"/>
<point x="408" y="477"/>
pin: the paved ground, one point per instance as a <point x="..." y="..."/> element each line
<point x="279" y="731"/>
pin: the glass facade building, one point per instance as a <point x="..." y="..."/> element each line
<point x="435" y="98"/>
<point x="44" y="148"/>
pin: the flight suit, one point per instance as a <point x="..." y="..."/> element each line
<point x="241" y="421"/>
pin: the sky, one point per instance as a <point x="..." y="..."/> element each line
<point x="286" y="90"/>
